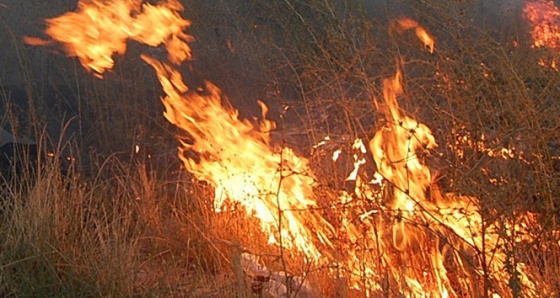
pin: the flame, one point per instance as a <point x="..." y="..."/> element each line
<point x="544" y="17"/>
<point x="408" y="232"/>
<point x="394" y="149"/>
<point x="494" y="148"/>
<point x="100" y="29"/>
<point x="404" y="24"/>
<point x="236" y="157"/>
<point x="424" y="221"/>
<point x="336" y="154"/>
<point x="359" y="147"/>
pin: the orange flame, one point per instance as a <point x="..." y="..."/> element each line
<point x="99" y="29"/>
<point x="236" y="157"/>
<point x="544" y="17"/>
<point x="404" y="24"/>
<point x="418" y="235"/>
<point x="394" y="149"/>
<point x="424" y="221"/>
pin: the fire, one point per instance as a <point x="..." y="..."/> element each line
<point x="404" y="24"/>
<point x="100" y="29"/>
<point x="493" y="148"/>
<point x="236" y="157"/>
<point x="544" y="17"/>
<point x="233" y="155"/>
<point x="423" y="221"/>
<point x="408" y="235"/>
<point x="394" y="149"/>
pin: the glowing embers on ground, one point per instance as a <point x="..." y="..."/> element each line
<point x="99" y="29"/>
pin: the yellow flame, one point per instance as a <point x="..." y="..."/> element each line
<point x="404" y="24"/>
<point x="412" y="238"/>
<point x="100" y="29"/>
<point x="423" y="221"/>
<point x="544" y="17"/>
<point x="336" y="154"/>
<point x="236" y="157"/>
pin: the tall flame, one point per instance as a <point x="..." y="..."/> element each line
<point x="394" y="149"/>
<point x="236" y="157"/>
<point x="232" y="154"/>
<point x="444" y="227"/>
<point x="418" y="233"/>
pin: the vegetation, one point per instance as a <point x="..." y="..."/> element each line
<point x="109" y="211"/>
